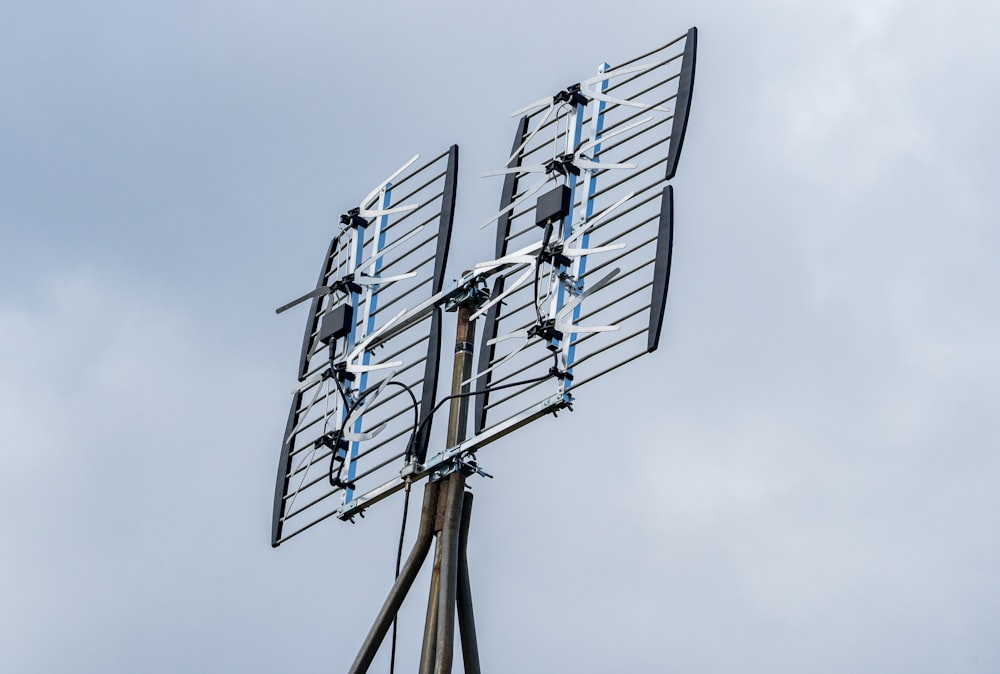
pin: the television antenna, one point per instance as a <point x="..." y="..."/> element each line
<point x="576" y="288"/>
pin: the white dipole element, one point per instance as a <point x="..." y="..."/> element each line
<point x="306" y="383"/>
<point x="351" y="436"/>
<point x="594" y="142"/>
<point x="559" y="324"/>
<point x="577" y="252"/>
<point x="597" y="94"/>
<point x="530" y="262"/>
<point x="359" y="350"/>
<point x="510" y="258"/>
<point x="316" y="292"/>
<point x="548" y="100"/>
<point x="579" y="157"/>
<point x="517" y="202"/>
<point x="366" y="280"/>
<point x="365" y="209"/>
<point x="523" y="334"/>
<point x="569" y="328"/>
<point x="590" y="223"/>
<point x="377" y="254"/>
<point x="538" y="127"/>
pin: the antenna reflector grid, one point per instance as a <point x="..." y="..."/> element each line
<point x="351" y="416"/>
<point x="604" y="298"/>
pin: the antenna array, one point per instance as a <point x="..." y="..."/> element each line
<point x="351" y="410"/>
<point x="576" y="289"/>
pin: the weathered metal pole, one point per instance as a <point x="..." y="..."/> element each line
<point x="407" y="574"/>
<point x="466" y="617"/>
<point x="458" y="414"/>
<point x="428" y="651"/>
<point x="453" y="493"/>
<point x="444" y="515"/>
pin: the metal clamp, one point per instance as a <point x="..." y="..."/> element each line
<point x="472" y="292"/>
<point x="458" y="465"/>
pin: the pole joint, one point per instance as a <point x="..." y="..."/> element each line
<point x="466" y="465"/>
<point x="472" y="292"/>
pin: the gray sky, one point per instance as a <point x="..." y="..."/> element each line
<point x="806" y="472"/>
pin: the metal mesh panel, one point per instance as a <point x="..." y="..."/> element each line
<point x="613" y="149"/>
<point x="577" y="289"/>
<point x="346" y="392"/>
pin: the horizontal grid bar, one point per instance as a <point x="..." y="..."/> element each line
<point x="410" y="251"/>
<point x="577" y="342"/>
<point x="306" y="527"/>
<point x="374" y="469"/>
<point x="632" y="176"/>
<point x="628" y="251"/>
<point x="650" y="53"/>
<point x="436" y="214"/>
<point x="318" y="499"/>
<point x="382" y="309"/>
<point x="518" y="392"/>
<point x="403" y="198"/>
<point x="392" y="356"/>
<point x="639" y="113"/>
<point x="418" y="171"/>
<point x="585" y="380"/>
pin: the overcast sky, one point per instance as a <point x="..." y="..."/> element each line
<point x="803" y="479"/>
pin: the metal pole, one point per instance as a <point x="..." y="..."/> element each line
<point x="428" y="651"/>
<point x="453" y="492"/>
<point x="407" y="574"/>
<point x="466" y="617"/>
<point x="458" y="415"/>
<point x="440" y="516"/>
<point x="448" y="588"/>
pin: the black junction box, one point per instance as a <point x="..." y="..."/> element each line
<point x="336" y="323"/>
<point x="553" y="206"/>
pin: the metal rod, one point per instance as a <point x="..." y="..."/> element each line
<point x="650" y="53"/>
<point x="402" y="585"/>
<point x="642" y="111"/>
<point x="466" y="617"/>
<point x="524" y="368"/>
<point x="633" y="96"/>
<point x="418" y="211"/>
<point x="454" y="490"/>
<point x="581" y="382"/>
<point x="465" y="335"/>
<point x="517" y="392"/>
<point x="411" y="290"/>
<point x="420" y="170"/>
<point x="404" y="197"/>
<point x="308" y="526"/>
<point x="649" y="147"/>
<point x="385" y="462"/>
<point x="443" y="517"/>
<point x="415" y="247"/>
<point x="333" y="490"/>
<point x="428" y="649"/>
<point x="485" y="436"/>
<point x="613" y="145"/>
<point x="391" y="356"/>
<point x="631" y="176"/>
<point x="621" y="235"/>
